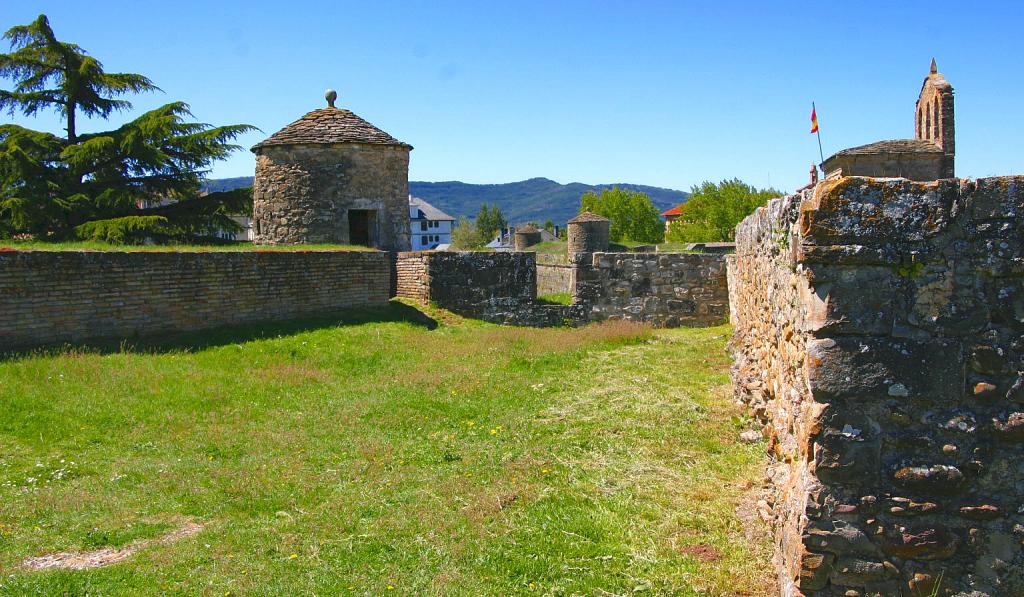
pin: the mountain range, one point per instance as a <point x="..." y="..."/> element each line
<point x="536" y="199"/>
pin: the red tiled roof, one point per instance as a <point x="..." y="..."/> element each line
<point x="675" y="211"/>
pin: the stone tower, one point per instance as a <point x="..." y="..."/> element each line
<point x="928" y="156"/>
<point x="588" y="233"/>
<point x="332" y="177"/>
<point x="525" y="237"/>
<point x="934" y="117"/>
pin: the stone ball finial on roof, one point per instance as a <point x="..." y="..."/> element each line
<point x="331" y="96"/>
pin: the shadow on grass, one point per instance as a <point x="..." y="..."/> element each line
<point x="234" y="334"/>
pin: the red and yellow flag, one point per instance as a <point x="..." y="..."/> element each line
<point x="814" y="120"/>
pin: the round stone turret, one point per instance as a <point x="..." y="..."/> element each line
<point x="588" y="233"/>
<point x="527" y="236"/>
<point x="332" y="177"/>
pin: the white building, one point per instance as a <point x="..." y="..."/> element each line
<point x="430" y="226"/>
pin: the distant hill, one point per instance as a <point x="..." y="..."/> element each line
<point x="536" y="199"/>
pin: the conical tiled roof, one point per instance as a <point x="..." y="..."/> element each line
<point x="328" y="126"/>
<point x="588" y="217"/>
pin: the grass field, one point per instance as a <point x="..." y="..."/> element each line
<point x="558" y="298"/>
<point x="383" y="453"/>
<point x="86" y="245"/>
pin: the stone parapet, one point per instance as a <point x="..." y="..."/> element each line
<point x="663" y="289"/>
<point x="467" y="282"/>
<point x="554" y="274"/>
<point x="878" y="336"/>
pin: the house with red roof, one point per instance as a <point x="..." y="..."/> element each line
<point x="671" y="215"/>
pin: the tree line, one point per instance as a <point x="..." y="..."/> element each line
<point x="138" y="181"/>
<point x="710" y="214"/>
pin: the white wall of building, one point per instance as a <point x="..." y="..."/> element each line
<point x="427" y="234"/>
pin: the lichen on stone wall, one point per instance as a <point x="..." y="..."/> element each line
<point x="878" y="335"/>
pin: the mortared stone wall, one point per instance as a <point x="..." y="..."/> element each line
<point x="879" y="335"/>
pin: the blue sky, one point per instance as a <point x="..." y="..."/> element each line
<point x="659" y="93"/>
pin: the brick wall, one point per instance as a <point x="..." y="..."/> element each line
<point x="878" y="335"/>
<point x="55" y="297"/>
<point x="664" y="289"/>
<point x="411" y="279"/>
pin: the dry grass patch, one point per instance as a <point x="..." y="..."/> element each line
<point x="108" y="555"/>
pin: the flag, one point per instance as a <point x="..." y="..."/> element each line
<point x="814" y="120"/>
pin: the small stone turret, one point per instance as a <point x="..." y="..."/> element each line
<point x="588" y="233"/>
<point x="332" y="177"/>
<point x="527" y="236"/>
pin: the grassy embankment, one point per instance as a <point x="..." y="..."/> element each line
<point x="376" y="455"/>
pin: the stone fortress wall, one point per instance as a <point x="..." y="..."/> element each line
<point x="878" y="335"/>
<point x="49" y="298"/>
<point x="663" y="289"/>
<point x="465" y="282"/>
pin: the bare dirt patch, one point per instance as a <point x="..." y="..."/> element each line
<point x="108" y="555"/>
<point x="702" y="552"/>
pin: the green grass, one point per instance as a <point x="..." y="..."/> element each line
<point x="551" y="247"/>
<point x="558" y="298"/>
<point x="102" y="246"/>
<point x="383" y="451"/>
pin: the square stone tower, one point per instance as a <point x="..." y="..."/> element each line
<point x="332" y="177"/>
<point x="934" y="117"/>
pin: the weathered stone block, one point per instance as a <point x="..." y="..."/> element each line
<point x="996" y="198"/>
<point x="850" y="300"/>
<point x="815" y="570"/>
<point x="879" y="368"/>
<point x="872" y="212"/>
<point x="855" y="572"/>
<point x="920" y="543"/>
<point x="936" y="478"/>
<point x="943" y="304"/>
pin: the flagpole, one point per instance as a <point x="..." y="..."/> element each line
<point x="821" y="154"/>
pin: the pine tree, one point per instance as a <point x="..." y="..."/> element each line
<point x="140" y="180"/>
